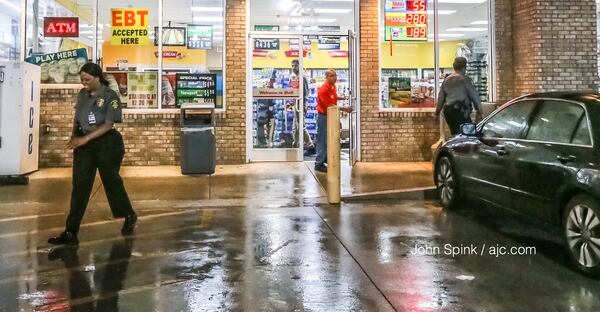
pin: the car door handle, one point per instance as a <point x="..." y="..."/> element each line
<point x="566" y="158"/>
<point x="502" y="152"/>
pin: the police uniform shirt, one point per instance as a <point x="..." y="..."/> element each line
<point x="459" y="90"/>
<point x="93" y="110"/>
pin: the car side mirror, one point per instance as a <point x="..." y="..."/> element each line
<point x="468" y="129"/>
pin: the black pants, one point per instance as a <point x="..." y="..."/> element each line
<point x="106" y="155"/>
<point x="455" y="118"/>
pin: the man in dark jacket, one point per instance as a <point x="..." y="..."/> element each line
<point x="458" y="97"/>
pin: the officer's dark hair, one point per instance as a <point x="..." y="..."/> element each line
<point x="460" y="63"/>
<point x="94" y="70"/>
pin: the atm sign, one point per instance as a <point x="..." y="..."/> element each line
<point x="61" y="27"/>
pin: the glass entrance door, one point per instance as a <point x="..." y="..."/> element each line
<point x="276" y="89"/>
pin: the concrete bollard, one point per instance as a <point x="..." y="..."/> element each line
<point x="333" y="155"/>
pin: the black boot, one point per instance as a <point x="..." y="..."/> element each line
<point x="129" y="224"/>
<point x="65" y="238"/>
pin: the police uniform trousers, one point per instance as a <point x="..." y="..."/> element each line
<point x="455" y="118"/>
<point x="104" y="154"/>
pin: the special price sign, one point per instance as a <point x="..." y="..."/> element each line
<point x="406" y="20"/>
<point x="129" y="26"/>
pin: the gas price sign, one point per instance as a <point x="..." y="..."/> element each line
<point x="406" y="20"/>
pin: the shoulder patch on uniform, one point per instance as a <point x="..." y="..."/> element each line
<point x="100" y="102"/>
<point x="114" y="104"/>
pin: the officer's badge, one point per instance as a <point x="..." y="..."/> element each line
<point x="100" y="102"/>
<point x="114" y="104"/>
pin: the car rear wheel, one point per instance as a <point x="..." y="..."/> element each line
<point x="446" y="183"/>
<point x="581" y="229"/>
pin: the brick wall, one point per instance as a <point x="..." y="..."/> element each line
<point x="150" y="139"/>
<point x="545" y="46"/>
<point x="387" y="136"/>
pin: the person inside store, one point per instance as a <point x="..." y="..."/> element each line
<point x="326" y="97"/>
<point x="458" y="97"/>
<point x="97" y="146"/>
<point x="309" y="146"/>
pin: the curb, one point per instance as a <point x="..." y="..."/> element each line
<point x="421" y="193"/>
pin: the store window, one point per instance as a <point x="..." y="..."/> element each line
<point x="142" y="66"/>
<point x="407" y="57"/>
<point x="464" y="31"/>
<point x="127" y="50"/>
<point x="54" y="44"/>
<point x="10" y="17"/>
<point x="199" y="58"/>
<point x="407" y="49"/>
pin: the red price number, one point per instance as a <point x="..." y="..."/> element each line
<point x="416" y="5"/>
<point x="416" y="19"/>
<point x="416" y="32"/>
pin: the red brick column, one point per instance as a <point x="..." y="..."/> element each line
<point x="231" y="126"/>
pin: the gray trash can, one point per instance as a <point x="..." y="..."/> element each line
<point x="198" y="143"/>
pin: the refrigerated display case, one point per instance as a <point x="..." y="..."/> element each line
<point x="316" y="79"/>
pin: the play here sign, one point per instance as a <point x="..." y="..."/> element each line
<point x="129" y="26"/>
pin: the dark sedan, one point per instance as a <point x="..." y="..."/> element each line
<point x="538" y="155"/>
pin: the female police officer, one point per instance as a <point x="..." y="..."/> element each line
<point x="97" y="145"/>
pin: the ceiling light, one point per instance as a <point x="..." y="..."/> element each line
<point x="208" y="18"/>
<point x="285" y="4"/>
<point x="286" y="27"/>
<point x="479" y="23"/>
<point x="326" y="20"/>
<point x="466" y="29"/>
<point x="333" y="11"/>
<point x="449" y="35"/>
<point x="11" y="5"/>
<point x="207" y="9"/>
<point x="442" y="12"/>
<point x="462" y="1"/>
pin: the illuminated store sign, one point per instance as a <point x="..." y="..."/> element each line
<point x="61" y="27"/>
<point x="129" y="26"/>
<point x="406" y="20"/>
<point x="199" y="37"/>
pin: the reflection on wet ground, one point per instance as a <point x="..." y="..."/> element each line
<point x="273" y="244"/>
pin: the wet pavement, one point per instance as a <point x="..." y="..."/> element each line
<point x="264" y="239"/>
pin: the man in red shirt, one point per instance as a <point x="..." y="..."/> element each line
<point x="327" y="96"/>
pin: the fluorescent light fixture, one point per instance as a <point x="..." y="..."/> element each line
<point x="208" y="18"/>
<point x="11" y="5"/>
<point x="442" y="12"/>
<point x="470" y="29"/>
<point x="462" y="1"/>
<point x="285" y="5"/>
<point x="84" y="32"/>
<point x="449" y="35"/>
<point x="207" y="9"/>
<point x="481" y="22"/>
<point x="326" y="20"/>
<point x="333" y="11"/>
